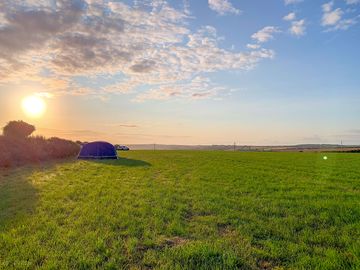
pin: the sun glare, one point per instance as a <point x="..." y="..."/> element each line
<point x="33" y="106"/>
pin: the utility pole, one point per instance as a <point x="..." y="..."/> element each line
<point x="154" y="146"/>
<point x="234" y="146"/>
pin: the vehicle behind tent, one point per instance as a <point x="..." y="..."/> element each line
<point x="98" y="150"/>
<point x="121" y="147"/>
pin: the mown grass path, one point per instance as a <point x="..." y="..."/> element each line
<point x="183" y="210"/>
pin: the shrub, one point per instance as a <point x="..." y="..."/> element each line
<point x="18" y="150"/>
<point x="18" y="129"/>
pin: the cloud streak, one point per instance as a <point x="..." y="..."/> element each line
<point x="223" y="7"/>
<point x="352" y="2"/>
<point x="265" y="34"/>
<point x="289" y="2"/>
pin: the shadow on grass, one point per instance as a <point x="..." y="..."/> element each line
<point x="18" y="196"/>
<point x="121" y="161"/>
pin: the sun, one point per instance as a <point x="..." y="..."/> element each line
<point x="33" y="106"/>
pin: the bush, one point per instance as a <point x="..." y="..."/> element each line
<point x="17" y="150"/>
<point x="18" y="129"/>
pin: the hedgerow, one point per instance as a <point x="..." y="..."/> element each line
<point x="18" y="150"/>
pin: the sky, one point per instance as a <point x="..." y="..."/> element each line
<point x="254" y="72"/>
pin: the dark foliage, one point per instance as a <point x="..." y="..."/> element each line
<point x="17" y="151"/>
<point x="353" y="151"/>
<point x="18" y="129"/>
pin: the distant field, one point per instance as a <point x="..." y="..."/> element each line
<point x="184" y="210"/>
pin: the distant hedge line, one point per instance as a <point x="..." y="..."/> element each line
<point x="353" y="151"/>
<point x="18" y="151"/>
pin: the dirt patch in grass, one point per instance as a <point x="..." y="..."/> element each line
<point x="164" y="243"/>
<point x="175" y="241"/>
<point x="263" y="264"/>
<point x="268" y="265"/>
<point x="224" y="229"/>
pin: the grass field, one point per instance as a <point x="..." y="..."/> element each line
<point x="183" y="210"/>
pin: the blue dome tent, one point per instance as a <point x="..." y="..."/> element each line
<point x="98" y="150"/>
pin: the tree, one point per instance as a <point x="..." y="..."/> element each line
<point x="18" y="129"/>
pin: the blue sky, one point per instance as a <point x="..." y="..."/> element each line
<point x="185" y="72"/>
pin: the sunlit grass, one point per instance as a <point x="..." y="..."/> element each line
<point x="184" y="210"/>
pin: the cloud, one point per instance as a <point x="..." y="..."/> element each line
<point x="289" y="2"/>
<point x="253" y="46"/>
<point x="196" y="88"/>
<point x="291" y="16"/>
<point x="345" y="24"/>
<point x="34" y="26"/>
<point x="123" y="87"/>
<point x="298" y="28"/>
<point x="143" y="66"/>
<point x="352" y="2"/>
<point x="113" y="133"/>
<point x="222" y="7"/>
<point x="70" y="133"/>
<point x="122" y="125"/>
<point x="265" y="34"/>
<point x="44" y="94"/>
<point x="149" y="43"/>
<point x="331" y="17"/>
<point x="127" y="126"/>
<point x="333" y="20"/>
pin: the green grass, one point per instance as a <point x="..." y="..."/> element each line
<point x="183" y="210"/>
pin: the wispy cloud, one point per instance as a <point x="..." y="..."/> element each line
<point x="298" y="28"/>
<point x="289" y="2"/>
<point x="223" y="7"/>
<point x="352" y="2"/>
<point x="44" y="94"/>
<point x="330" y="16"/>
<point x="253" y="46"/>
<point x="289" y="17"/>
<point x="265" y="34"/>
<point x="333" y="19"/>
<point x="196" y="88"/>
<point x="122" y="125"/>
<point x="70" y="133"/>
